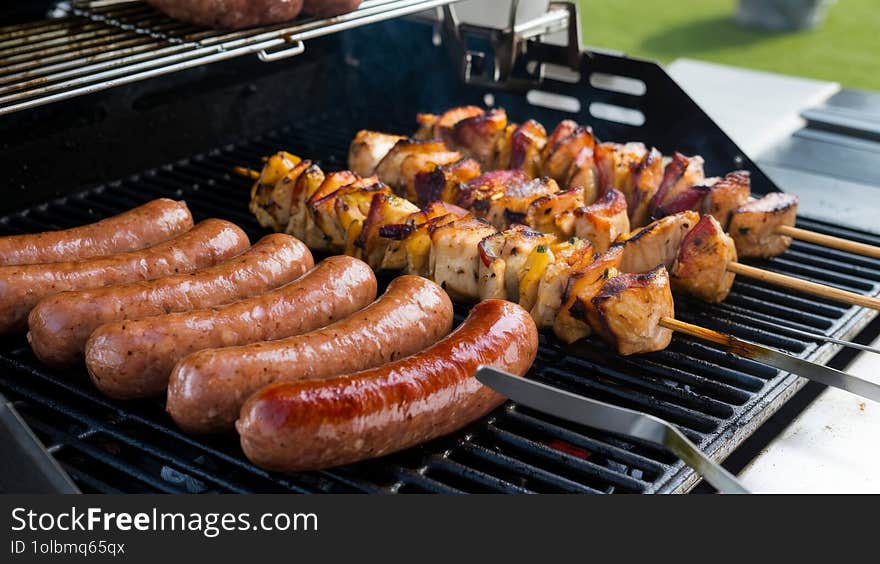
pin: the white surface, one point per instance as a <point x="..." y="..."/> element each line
<point x="756" y="109"/>
<point x="832" y="447"/>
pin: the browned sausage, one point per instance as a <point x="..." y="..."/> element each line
<point x="21" y="287"/>
<point x="307" y="425"/>
<point x="61" y="324"/>
<point x="325" y="8"/>
<point x="233" y="14"/>
<point x="206" y="389"/>
<point x="133" y="230"/>
<point x="132" y="359"/>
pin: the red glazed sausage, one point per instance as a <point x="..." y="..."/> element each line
<point x="132" y="359"/>
<point x="206" y="244"/>
<point x="307" y="425"/>
<point x="61" y="324"/>
<point x="206" y="389"/>
<point x="133" y="230"/>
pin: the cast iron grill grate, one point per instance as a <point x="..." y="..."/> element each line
<point x="715" y="398"/>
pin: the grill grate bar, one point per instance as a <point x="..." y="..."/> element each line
<point x="571" y="461"/>
<point x="96" y="46"/>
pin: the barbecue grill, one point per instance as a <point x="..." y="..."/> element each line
<point x="88" y="130"/>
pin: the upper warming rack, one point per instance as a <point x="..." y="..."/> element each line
<point x="90" y="46"/>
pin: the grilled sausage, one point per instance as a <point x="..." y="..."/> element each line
<point x="133" y="230"/>
<point x="132" y="359"/>
<point x="306" y="425"/>
<point x="325" y="8"/>
<point x="21" y="287"/>
<point x="61" y="324"/>
<point x="232" y="14"/>
<point x="206" y="389"/>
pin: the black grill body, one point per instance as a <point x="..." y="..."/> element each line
<point x="180" y="136"/>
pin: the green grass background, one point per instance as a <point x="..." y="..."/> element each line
<point x="845" y="49"/>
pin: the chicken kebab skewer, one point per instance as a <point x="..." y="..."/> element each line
<point x="503" y="197"/>
<point x="562" y="283"/>
<point x="466" y="138"/>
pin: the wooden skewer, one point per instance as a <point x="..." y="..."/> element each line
<point x="829" y="241"/>
<point x="695" y="331"/>
<point x="805" y="286"/>
<point x="246" y="172"/>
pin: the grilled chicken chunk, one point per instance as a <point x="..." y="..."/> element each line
<point x="502" y="197"/>
<point x="627" y="310"/>
<point x="701" y="266"/>
<point x="560" y="157"/>
<point x="503" y="258"/>
<point x="603" y="221"/>
<point x="340" y="215"/>
<point x="635" y="171"/>
<point x="725" y="195"/>
<point x="385" y="209"/>
<point x="541" y="290"/>
<point x="520" y="148"/>
<point x="467" y="129"/>
<point x="571" y="323"/>
<point x="431" y="126"/>
<point x="368" y="149"/>
<point x="420" y="163"/>
<point x="556" y="213"/>
<point x="308" y="181"/>
<point x="390" y="168"/>
<point x="265" y="204"/>
<point x="657" y="243"/>
<point x="676" y="192"/>
<point x="443" y="182"/>
<point x="583" y="173"/>
<point x="311" y="187"/>
<point x="753" y="225"/>
<point x="409" y="243"/>
<point x="454" y="259"/>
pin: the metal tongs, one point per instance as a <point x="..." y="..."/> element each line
<point x="610" y="418"/>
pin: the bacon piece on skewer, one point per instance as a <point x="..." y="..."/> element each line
<point x="753" y="225"/>
<point x="657" y="243"/>
<point x="604" y="221"/>
<point x="701" y="267"/>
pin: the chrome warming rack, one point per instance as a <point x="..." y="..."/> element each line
<point x="89" y="46"/>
